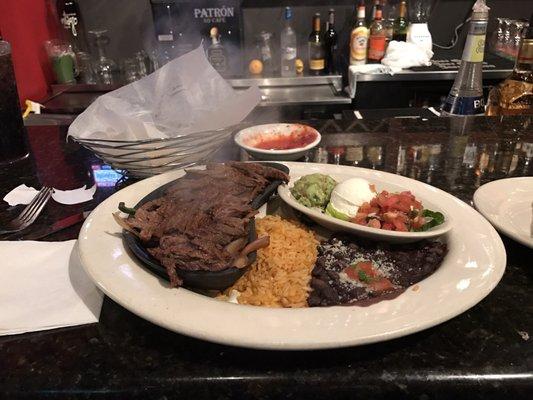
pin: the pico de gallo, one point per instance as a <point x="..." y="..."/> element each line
<point x="400" y="212"/>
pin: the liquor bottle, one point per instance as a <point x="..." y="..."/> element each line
<point x="466" y="95"/>
<point x="377" y="40"/>
<point x="400" y="23"/>
<point x="288" y="46"/>
<point x="515" y="94"/>
<point x="70" y="18"/>
<point x="359" y="38"/>
<point x="316" y="48"/>
<point x="216" y="54"/>
<point x="373" y="12"/>
<point x="330" y="41"/>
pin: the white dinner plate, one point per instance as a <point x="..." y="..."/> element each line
<point x="508" y="205"/>
<point x="428" y="195"/>
<point x="472" y="268"/>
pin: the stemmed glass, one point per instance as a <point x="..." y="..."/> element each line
<point x="106" y="69"/>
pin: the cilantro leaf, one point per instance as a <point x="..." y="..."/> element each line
<point x="363" y="277"/>
<point x="433" y="219"/>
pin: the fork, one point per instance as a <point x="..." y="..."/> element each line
<point x="30" y="212"/>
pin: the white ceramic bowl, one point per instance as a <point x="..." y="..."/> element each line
<point x="246" y="137"/>
<point x="428" y="195"/>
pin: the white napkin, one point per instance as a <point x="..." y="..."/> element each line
<point x="406" y="55"/>
<point x="75" y="196"/>
<point x="43" y="286"/>
<point x="23" y="194"/>
<point x="183" y="96"/>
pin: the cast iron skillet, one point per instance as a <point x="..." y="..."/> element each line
<point x="206" y="280"/>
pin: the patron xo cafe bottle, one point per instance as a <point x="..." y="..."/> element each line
<point x="466" y="95"/>
<point x="359" y="37"/>
<point x="216" y="53"/>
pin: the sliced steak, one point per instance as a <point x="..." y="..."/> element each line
<point x="202" y="213"/>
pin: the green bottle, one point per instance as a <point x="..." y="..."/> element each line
<point x="400" y="24"/>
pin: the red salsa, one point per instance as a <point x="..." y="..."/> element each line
<point x="296" y="139"/>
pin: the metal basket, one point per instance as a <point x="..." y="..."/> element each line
<point x="149" y="157"/>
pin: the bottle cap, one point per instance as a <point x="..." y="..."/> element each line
<point x="288" y="13"/>
<point x="480" y="11"/>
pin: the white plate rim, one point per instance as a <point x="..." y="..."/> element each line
<point x="286" y="195"/>
<point x="239" y="136"/>
<point x="274" y="335"/>
<point x="501" y="226"/>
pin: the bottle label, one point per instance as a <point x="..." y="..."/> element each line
<point x="316" y="64"/>
<point x="217" y="58"/>
<point x="359" y="43"/>
<point x="376" y="47"/>
<point x="464" y="105"/>
<point x="266" y="54"/>
<point x="475" y="42"/>
<point x="289" y="53"/>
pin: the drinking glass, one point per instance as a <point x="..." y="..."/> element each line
<point x="86" y="73"/>
<point x="517" y="39"/>
<point x="63" y="60"/>
<point x="143" y="63"/>
<point x="12" y="134"/>
<point x="106" y="69"/>
<point x="498" y="36"/>
<point x="130" y="70"/>
<point x="507" y="36"/>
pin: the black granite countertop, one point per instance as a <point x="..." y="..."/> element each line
<point x="486" y="352"/>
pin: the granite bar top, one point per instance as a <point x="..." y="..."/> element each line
<point x="484" y="353"/>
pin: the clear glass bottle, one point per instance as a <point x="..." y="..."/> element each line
<point x="466" y="95"/>
<point x="288" y="46"/>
